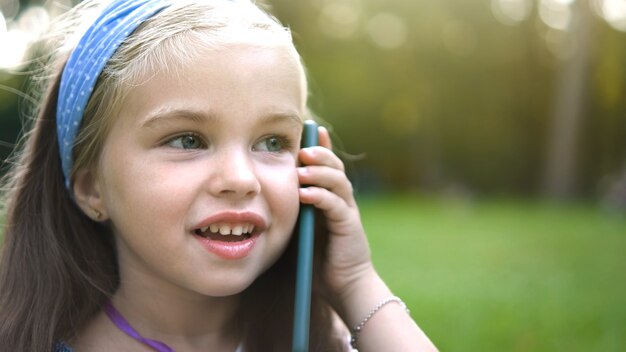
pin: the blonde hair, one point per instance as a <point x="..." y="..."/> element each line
<point x="58" y="267"/>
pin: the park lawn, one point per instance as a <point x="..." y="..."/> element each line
<point x="504" y="275"/>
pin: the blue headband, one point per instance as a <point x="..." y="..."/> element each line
<point x="116" y="22"/>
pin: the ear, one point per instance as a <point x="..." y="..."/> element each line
<point x="88" y="196"/>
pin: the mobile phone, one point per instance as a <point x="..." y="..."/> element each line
<point x="304" y="271"/>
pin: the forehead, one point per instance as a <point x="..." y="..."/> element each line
<point x="239" y="79"/>
<point x="149" y="50"/>
<point x="179" y="57"/>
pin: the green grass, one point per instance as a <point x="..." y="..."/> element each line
<point x="504" y="275"/>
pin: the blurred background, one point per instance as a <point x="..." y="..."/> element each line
<point x="487" y="141"/>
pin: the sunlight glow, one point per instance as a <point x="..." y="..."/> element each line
<point x="511" y="12"/>
<point x="556" y="14"/>
<point x="17" y="42"/>
<point x="17" y="35"/>
<point x="34" y="21"/>
<point x="614" y="12"/>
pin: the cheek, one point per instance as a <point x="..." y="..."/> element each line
<point x="147" y="192"/>
<point x="281" y="190"/>
<point x="287" y="181"/>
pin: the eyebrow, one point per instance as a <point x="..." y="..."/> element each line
<point x="168" y="115"/>
<point x="279" y="115"/>
<point x="197" y="116"/>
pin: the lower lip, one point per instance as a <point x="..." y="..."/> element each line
<point x="229" y="250"/>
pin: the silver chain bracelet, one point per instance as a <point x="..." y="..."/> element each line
<point x="357" y="329"/>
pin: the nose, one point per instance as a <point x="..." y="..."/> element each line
<point x="234" y="175"/>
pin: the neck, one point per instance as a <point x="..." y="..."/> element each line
<point x="177" y="317"/>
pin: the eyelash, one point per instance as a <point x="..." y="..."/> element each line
<point x="169" y="142"/>
<point x="285" y="142"/>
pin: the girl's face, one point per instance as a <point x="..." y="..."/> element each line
<point x="198" y="173"/>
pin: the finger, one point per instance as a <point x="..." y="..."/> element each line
<point x="333" y="206"/>
<point x="332" y="179"/>
<point x="320" y="156"/>
<point x="324" y="137"/>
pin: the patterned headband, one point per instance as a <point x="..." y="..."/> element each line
<point x="116" y="22"/>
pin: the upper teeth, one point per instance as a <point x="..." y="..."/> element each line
<point x="229" y="229"/>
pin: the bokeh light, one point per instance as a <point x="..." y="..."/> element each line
<point x="387" y="30"/>
<point x="556" y="14"/>
<point x="18" y="33"/>
<point x="614" y="12"/>
<point x="15" y="44"/>
<point x="511" y="12"/>
<point x="340" y="19"/>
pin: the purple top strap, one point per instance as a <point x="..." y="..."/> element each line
<point x="123" y="325"/>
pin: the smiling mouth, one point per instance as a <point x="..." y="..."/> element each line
<point x="226" y="232"/>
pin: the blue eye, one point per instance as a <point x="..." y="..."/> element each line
<point x="271" y="144"/>
<point x="186" y="141"/>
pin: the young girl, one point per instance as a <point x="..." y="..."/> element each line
<point x="153" y="205"/>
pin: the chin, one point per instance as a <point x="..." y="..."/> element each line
<point x="226" y="292"/>
<point x="229" y="287"/>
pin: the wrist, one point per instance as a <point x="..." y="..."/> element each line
<point x="358" y="298"/>
<point x="356" y="331"/>
<point x="378" y="320"/>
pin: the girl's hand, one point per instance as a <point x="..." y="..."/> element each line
<point x="355" y="286"/>
<point x="348" y="256"/>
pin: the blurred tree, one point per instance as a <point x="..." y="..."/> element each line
<point x="570" y="105"/>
